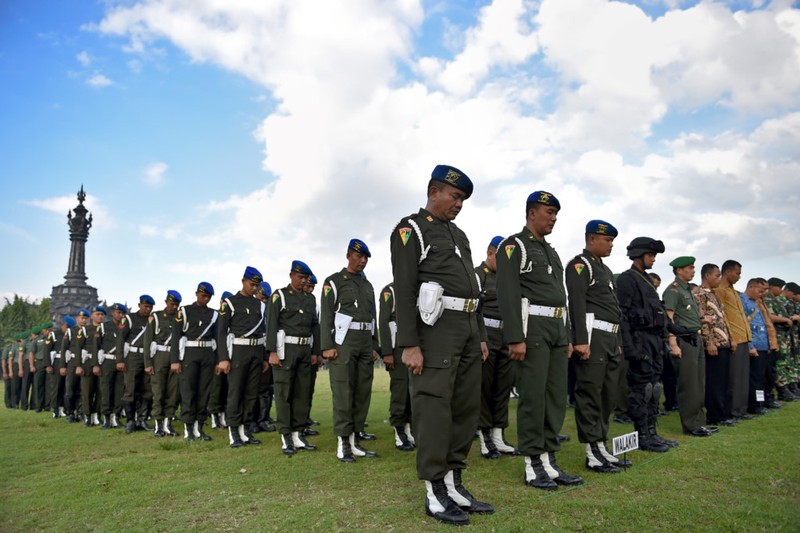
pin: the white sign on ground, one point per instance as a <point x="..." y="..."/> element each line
<point x="626" y="443"/>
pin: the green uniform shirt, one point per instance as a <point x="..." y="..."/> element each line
<point x="591" y="289"/>
<point x="488" y="281"/>
<point x="294" y="312"/>
<point x="158" y="332"/>
<point x="196" y="324"/>
<point x="40" y="349"/>
<point x="240" y="316"/>
<point x="386" y="315"/>
<point x="74" y="341"/>
<point x="349" y="294"/>
<point x="131" y="331"/>
<point x="678" y="298"/>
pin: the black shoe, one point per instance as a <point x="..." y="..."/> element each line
<point x="365" y="436"/>
<point x="622" y="420"/>
<point x="308" y="432"/>
<point x="712" y="429"/>
<point x="344" y="452"/>
<point x="305" y="444"/>
<point x="459" y="494"/>
<point x="563" y="438"/>
<point x="106" y="423"/>
<point x="744" y="417"/>
<point x="540" y="479"/>
<point x="450" y="513"/>
<point x="728" y="422"/>
<point x="130" y="427"/>
<point x="235" y="439"/>
<point x="142" y="423"/>
<point x="563" y="478"/>
<point x="71" y="419"/>
<point x="159" y="431"/>
<point x="774" y="405"/>
<point x="203" y="435"/>
<point x="266" y="427"/>
<point x="699" y="432"/>
<point x="666" y="442"/>
<point x="251" y="439"/>
<point x="603" y="468"/>
<point x="622" y="463"/>
<point x="758" y="411"/>
<point x="488" y="449"/>
<point x="401" y="441"/>
<point x="188" y="432"/>
<point x="650" y="445"/>
<point x="358" y="451"/>
<point x="310" y="422"/>
<point x="287" y="445"/>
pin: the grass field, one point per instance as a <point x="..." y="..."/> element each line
<point x="62" y="477"/>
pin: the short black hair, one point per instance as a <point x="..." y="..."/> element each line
<point x="730" y="264"/>
<point x="707" y="269"/>
<point x="756" y="281"/>
<point x="653" y="275"/>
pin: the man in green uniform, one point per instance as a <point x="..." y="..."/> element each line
<point x="399" y="397"/>
<point x="218" y="398"/>
<point x="792" y="294"/>
<point x="292" y="336"/>
<point x="29" y="369"/>
<point x="497" y="371"/>
<point x="42" y="361"/>
<point x="72" y="348"/>
<point x="192" y="359"/>
<point x="112" y="376"/>
<point x="442" y="340"/>
<point x="8" y="373"/>
<point x="777" y="305"/>
<point x="57" y="382"/>
<point x="90" y="381"/>
<point x="240" y="350"/>
<point x="595" y="317"/>
<point x="163" y="381"/>
<point x="130" y="343"/>
<point x="687" y="351"/>
<point x="259" y="421"/>
<point x="350" y="342"/>
<point x="530" y="291"/>
<point x="316" y="362"/>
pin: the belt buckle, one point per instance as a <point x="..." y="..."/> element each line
<point x="252" y="341"/>
<point x="469" y="305"/>
<point x="559" y="311"/>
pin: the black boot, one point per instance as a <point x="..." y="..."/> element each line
<point x="401" y="440"/>
<point x="106" y="422"/>
<point x="459" y="494"/>
<point x="287" y="444"/>
<point x="300" y="442"/>
<point x="654" y="436"/>
<point x="488" y="449"/>
<point x="597" y="462"/>
<point x="647" y="444"/>
<point x="535" y="475"/>
<point x="250" y="438"/>
<point x="441" y="507"/>
<point x="198" y="426"/>
<point x="130" y="427"/>
<point x="188" y="432"/>
<point x="235" y="439"/>
<point x="785" y="394"/>
<point x="159" y="429"/>
<point x="558" y="475"/>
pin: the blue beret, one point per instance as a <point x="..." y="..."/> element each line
<point x="357" y="245"/>
<point x="253" y="275"/>
<point x="452" y="176"/>
<point x="120" y="307"/>
<point x="99" y="308"/>
<point x="495" y="242"/>
<point x="301" y="268"/>
<point x="544" y="198"/>
<point x="312" y="280"/>
<point x="174" y="296"/>
<point x="265" y="289"/>
<point x="601" y="227"/>
<point x="682" y="261"/>
<point x="84" y="312"/>
<point x="69" y="321"/>
<point x="226" y="294"/>
<point x="146" y="299"/>
<point x="205" y="287"/>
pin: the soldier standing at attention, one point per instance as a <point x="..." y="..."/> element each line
<point x="58" y="380"/>
<point x="399" y="397"/>
<point x="316" y="362"/>
<point x="192" y="359"/>
<point x="163" y="380"/>
<point x="218" y="398"/>
<point x="259" y="421"/>
<point x="130" y="343"/>
<point x="72" y="347"/>
<point x="112" y="376"/>
<point x="292" y="336"/>
<point x="350" y="342"/>
<point x="240" y="350"/>
<point x="595" y="317"/>
<point x="40" y="365"/>
<point x="29" y="370"/>
<point x="532" y="298"/>
<point x="90" y="381"/>
<point x="442" y="340"/>
<point x="497" y="371"/>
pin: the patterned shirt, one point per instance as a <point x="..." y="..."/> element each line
<point x="709" y="306"/>
<point x="758" y="325"/>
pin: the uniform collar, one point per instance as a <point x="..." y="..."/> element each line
<point x="527" y="233"/>
<point x="681" y="283"/>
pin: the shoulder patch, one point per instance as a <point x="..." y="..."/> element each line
<point x="326" y="290"/>
<point x="579" y="268"/>
<point x="275" y="296"/>
<point x="510" y="250"/>
<point x="405" y="233"/>
<point x="386" y="296"/>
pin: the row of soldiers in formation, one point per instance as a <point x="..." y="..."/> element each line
<point x="455" y="338"/>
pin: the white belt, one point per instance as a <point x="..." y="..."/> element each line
<point x="493" y="323"/>
<point x="198" y="344"/>
<point x="465" y="305"/>
<point x="543" y="310"/>
<point x="111" y="357"/>
<point x="162" y="348"/>
<point x="602" y="325"/>
<point x="134" y="349"/>
<point x="361" y="326"/>
<point x="249" y="341"/>
<point x="302" y="341"/>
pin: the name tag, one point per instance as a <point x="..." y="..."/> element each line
<point x="626" y="443"/>
<point x="759" y="395"/>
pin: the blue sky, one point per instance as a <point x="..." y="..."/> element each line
<point x="212" y="138"/>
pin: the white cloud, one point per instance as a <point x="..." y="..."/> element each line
<point x="154" y="173"/>
<point x="84" y="58"/>
<point x="99" y="80"/>
<point x="101" y="217"/>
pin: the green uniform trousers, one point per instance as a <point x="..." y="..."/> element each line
<point x="597" y="386"/>
<point x="138" y="393"/>
<point x="40" y="398"/>
<point x="691" y="370"/>
<point x="197" y="371"/>
<point x="497" y="380"/>
<point x="246" y="368"/>
<point x="542" y="386"/>
<point x="399" y="393"/>
<point x="90" y="390"/>
<point x="56" y="383"/>
<point x="218" y="398"/>
<point x="351" y="376"/>
<point x="164" y="384"/>
<point x="72" y="386"/>
<point x="112" y="384"/>
<point x="445" y="398"/>
<point x="292" y="382"/>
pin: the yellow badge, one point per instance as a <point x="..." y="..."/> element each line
<point x="510" y="250"/>
<point x="405" y="233"/>
<point x="275" y="297"/>
<point x="386" y="296"/>
<point x="579" y="268"/>
<point x="326" y="290"/>
<point x="544" y="198"/>
<point x="452" y="177"/>
<point x="602" y="229"/>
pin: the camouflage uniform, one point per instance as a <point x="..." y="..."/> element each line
<point x="786" y="364"/>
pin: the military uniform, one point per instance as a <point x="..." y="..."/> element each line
<point x="164" y="382"/>
<point x="90" y="383"/>
<point x="138" y="394"/>
<point x="73" y="347"/>
<point x="218" y="397"/>
<point x="8" y="382"/>
<point x="111" y="381"/>
<point x="26" y="399"/>
<point x="41" y="361"/>
<point x="785" y="373"/>
<point x="348" y="318"/>
<point x="595" y="317"/>
<point x="56" y="383"/>
<point x="293" y="333"/>
<point x="240" y="340"/>
<point x="193" y="347"/>
<point x="399" y="397"/>
<point x="691" y="365"/>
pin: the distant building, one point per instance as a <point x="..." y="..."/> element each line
<point x="75" y="293"/>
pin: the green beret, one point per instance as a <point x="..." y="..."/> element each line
<point x="682" y="261"/>
<point x="47" y="325"/>
<point x="776" y="282"/>
<point x="37" y="329"/>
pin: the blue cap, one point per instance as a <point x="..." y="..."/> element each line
<point x="452" y="176"/>
<point x="83" y="312"/>
<point x="174" y="296"/>
<point x="312" y="280"/>
<point x="205" y="287"/>
<point x="226" y="294"/>
<point x="146" y="299"/>
<point x="495" y="242"/>
<point x="99" y="308"/>
<point x="357" y="245"/>
<point x="253" y="274"/>
<point x="301" y="268"/>
<point x="601" y="227"/>
<point x="544" y="198"/>
<point x="69" y="321"/>
<point x="120" y="307"/>
<point x="265" y="289"/>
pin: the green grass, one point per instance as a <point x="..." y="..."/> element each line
<point x="64" y="477"/>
